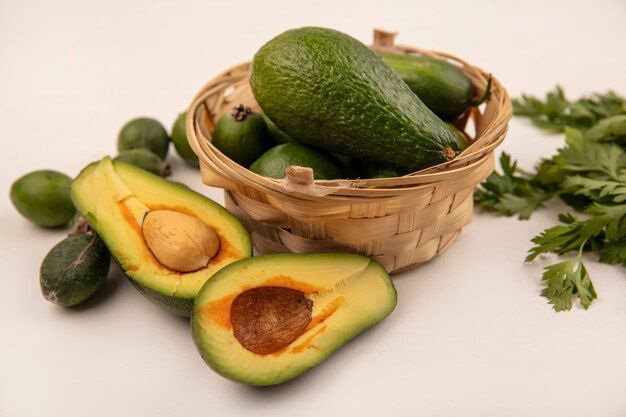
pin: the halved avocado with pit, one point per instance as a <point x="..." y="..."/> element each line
<point x="116" y="198"/>
<point x="267" y="319"/>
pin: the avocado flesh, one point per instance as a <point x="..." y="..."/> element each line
<point x="349" y="292"/>
<point x="328" y="90"/>
<point x="114" y="197"/>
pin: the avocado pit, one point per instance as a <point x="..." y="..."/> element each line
<point x="267" y="319"/>
<point x="179" y="241"/>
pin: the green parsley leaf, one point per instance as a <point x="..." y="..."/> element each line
<point x="583" y="156"/>
<point x="599" y="190"/>
<point x="556" y="112"/>
<point x="611" y="129"/>
<point x="612" y="252"/>
<point x="565" y="280"/>
<point x="511" y="192"/>
<point x="588" y="173"/>
<point x="609" y="220"/>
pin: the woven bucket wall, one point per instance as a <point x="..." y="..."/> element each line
<point x="400" y="222"/>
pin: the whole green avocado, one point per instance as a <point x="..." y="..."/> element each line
<point x="328" y="90"/>
<point x="443" y="87"/>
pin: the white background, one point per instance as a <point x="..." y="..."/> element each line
<point x="470" y="335"/>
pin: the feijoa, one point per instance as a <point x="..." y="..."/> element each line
<point x="144" y="159"/>
<point x="74" y="269"/>
<point x="274" y="162"/>
<point x="144" y="133"/>
<point x="242" y="135"/>
<point x="43" y="197"/>
<point x="179" y="139"/>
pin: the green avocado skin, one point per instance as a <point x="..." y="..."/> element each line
<point x="274" y="162"/>
<point x="74" y="269"/>
<point x="179" y="139"/>
<point x="144" y="133"/>
<point x="460" y="136"/>
<point x="43" y="197"/>
<point x="443" y="87"/>
<point x="278" y="135"/>
<point x="180" y="306"/>
<point x="328" y="90"/>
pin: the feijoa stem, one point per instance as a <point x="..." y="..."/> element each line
<point x="81" y="227"/>
<point x="240" y="112"/>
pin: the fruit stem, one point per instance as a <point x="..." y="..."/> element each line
<point x="80" y="228"/>
<point x="449" y="152"/>
<point x="240" y="112"/>
<point x="166" y="170"/>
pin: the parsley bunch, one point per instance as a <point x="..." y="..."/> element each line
<point x="588" y="173"/>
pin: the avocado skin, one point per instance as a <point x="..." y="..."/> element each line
<point x="278" y="135"/>
<point x="328" y="90"/>
<point x="144" y="133"/>
<point x="181" y="144"/>
<point x="463" y="140"/>
<point x="180" y="306"/>
<point x="274" y="162"/>
<point x="243" y="141"/>
<point x="443" y="87"/>
<point x="43" y="197"/>
<point x="74" y="269"/>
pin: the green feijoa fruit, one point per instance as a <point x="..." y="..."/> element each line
<point x="43" y="197"/>
<point x="179" y="138"/>
<point x="242" y="135"/>
<point x="278" y="135"/>
<point x="144" y="159"/>
<point x="274" y="162"/>
<point x="372" y="170"/>
<point x="144" y="133"/>
<point x="74" y="269"/>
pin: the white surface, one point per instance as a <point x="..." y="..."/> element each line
<point x="470" y="335"/>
